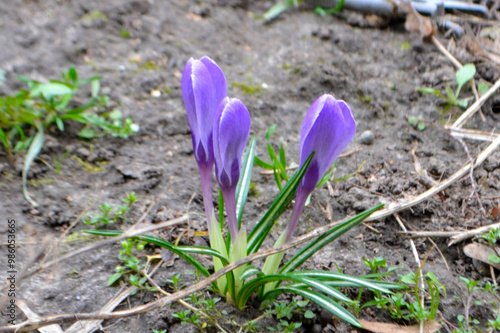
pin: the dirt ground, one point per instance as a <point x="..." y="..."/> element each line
<point x="278" y="70"/>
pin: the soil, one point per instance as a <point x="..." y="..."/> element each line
<point x="278" y="70"/>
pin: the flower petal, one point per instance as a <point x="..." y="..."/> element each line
<point x="231" y="129"/>
<point x="218" y="78"/>
<point x="327" y="130"/>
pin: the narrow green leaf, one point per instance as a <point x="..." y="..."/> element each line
<point x="221" y="210"/>
<point x="282" y="157"/>
<point x="250" y="271"/>
<point x="49" y="90"/>
<point x="96" y="86"/>
<point x="245" y="178"/>
<point x="261" y="230"/>
<point x="324" y="239"/>
<point x="278" y="9"/>
<point x="113" y="278"/>
<point x="156" y="241"/>
<point x="332" y="276"/>
<point x="60" y="124"/>
<point x="33" y="151"/>
<point x="270" y="132"/>
<point x="249" y="287"/>
<point x="72" y="74"/>
<point x="321" y="300"/>
<point x="264" y="165"/>
<point x="217" y="243"/>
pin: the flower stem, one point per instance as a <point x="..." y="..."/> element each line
<point x="206" y="190"/>
<point x="230" y="203"/>
<point x="300" y="201"/>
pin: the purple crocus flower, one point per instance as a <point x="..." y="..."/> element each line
<point x="231" y="129"/>
<point x="327" y="129"/>
<point x="203" y="88"/>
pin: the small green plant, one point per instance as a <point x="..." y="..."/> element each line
<point x="109" y="214"/>
<point x="417" y="121"/>
<point x="403" y="305"/>
<point x="462" y="76"/>
<point x="206" y="314"/>
<point x="465" y="321"/>
<point x="285" y="327"/>
<point x="26" y="115"/>
<point x="162" y="331"/>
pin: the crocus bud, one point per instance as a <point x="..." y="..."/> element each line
<point x="203" y="88"/>
<point x="327" y="129"/>
<point x="231" y="129"/>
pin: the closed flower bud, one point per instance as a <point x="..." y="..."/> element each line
<point x="327" y="129"/>
<point x="231" y="129"/>
<point x="203" y="88"/>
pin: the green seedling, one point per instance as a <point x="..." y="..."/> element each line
<point x="462" y="76"/>
<point x="282" y="6"/>
<point x="109" y="214"/>
<point x="417" y="121"/>
<point x="26" y="115"/>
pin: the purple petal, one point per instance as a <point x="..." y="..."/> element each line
<point x="218" y="78"/>
<point x="327" y="130"/>
<point x="231" y="129"/>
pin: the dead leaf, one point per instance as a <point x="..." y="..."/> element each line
<point x="480" y="252"/>
<point x="429" y="327"/>
<point x="416" y="22"/>
<point x="495" y="211"/>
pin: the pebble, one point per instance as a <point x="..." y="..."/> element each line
<point x="367" y="137"/>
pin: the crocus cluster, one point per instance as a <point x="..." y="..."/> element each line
<point x="219" y="128"/>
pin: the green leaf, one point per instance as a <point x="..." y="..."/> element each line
<point x="156" y="241"/>
<point x="270" y="132"/>
<point x="60" y="124"/>
<point x="87" y="133"/>
<point x="321" y="300"/>
<point x="261" y="230"/>
<point x="412" y="120"/>
<point x="493" y="258"/>
<point x="282" y="157"/>
<point x="309" y="314"/>
<point x="260" y="163"/>
<point x="250" y="271"/>
<point x="49" y="90"/>
<point x="278" y="9"/>
<point x="113" y="278"/>
<point x="464" y="74"/>
<point x="482" y="88"/>
<point x="249" y="287"/>
<point x="96" y="86"/>
<point x="72" y="74"/>
<point x="245" y="178"/>
<point x="311" y="248"/>
<point x="35" y="148"/>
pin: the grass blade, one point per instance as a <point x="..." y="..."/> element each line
<point x="278" y="9"/>
<point x="244" y="181"/>
<point x="259" y="233"/>
<point x="326" y="238"/>
<point x="35" y="148"/>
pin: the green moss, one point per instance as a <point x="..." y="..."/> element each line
<point x="40" y="182"/>
<point x="246" y="88"/>
<point x="252" y="190"/>
<point x="88" y="166"/>
<point x="95" y="16"/>
<point x="150" y="66"/>
<point x="125" y="33"/>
